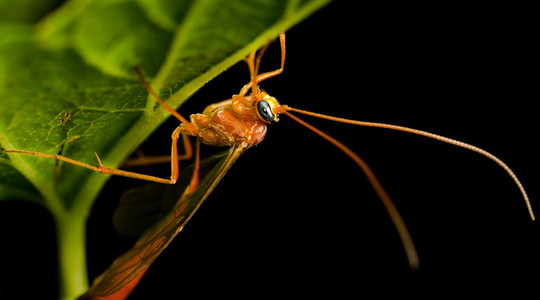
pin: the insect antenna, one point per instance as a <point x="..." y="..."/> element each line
<point x="426" y="134"/>
<point x="396" y="218"/>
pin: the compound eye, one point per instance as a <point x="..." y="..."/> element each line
<point x="264" y="110"/>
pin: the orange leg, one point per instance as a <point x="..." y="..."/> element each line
<point x="174" y="161"/>
<point x="195" y="176"/>
<point x="185" y="129"/>
<point x="106" y="170"/>
<point x="253" y="64"/>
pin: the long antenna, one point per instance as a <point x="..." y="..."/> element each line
<point x="429" y="135"/>
<point x="396" y="218"/>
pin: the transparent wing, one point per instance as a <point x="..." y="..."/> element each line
<point x="131" y="264"/>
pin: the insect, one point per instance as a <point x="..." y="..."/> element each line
<point x="238" y="123"/>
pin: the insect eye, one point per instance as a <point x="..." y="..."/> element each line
<point x="264" y="110"/>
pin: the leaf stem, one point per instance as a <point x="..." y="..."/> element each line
<point x="71" y="229"/>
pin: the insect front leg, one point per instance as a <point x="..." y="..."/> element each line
<point x="253" y="62"/>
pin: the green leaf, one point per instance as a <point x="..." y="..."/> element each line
<point x="90" y="83"/>
<point x="25" y="11"/>
<point x="67" y="85"/>
<point x="14" y="186"/>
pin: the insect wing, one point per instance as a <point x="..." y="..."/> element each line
<point x="131" y="264"/>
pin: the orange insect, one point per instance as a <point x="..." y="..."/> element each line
<point x="239" y="123"/>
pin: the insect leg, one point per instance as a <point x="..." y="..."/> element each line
<point x="174" y="164"/>
<point x="267" y="75"/>
<point x="106" y="170"/>
<point x="195" y="176"/>
<point x="253" y="64"/>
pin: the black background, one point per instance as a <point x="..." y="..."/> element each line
<point x="294" y="216"/>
